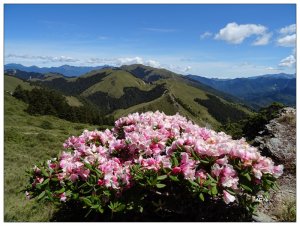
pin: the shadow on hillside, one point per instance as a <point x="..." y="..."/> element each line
<point x="204" y="212"/>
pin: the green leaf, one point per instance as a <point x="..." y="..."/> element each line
<point x="120" y="207"/>
<point x="247" y="176"/>
<point x="175" y="161"/>
<point x="141" y="209"/>
<point x="173" y="178"/>
<point x="87" y="165"/>
<point x="68" y="193"/>
<point x="162" y="177"/>
<point x="193" y="183"/>
<point x="87" y="201"/>
<point x="100" y="209"/>
<point x="160" y="185"/>
<point x="214" y="190"/>
<point x="98" y="172"/>
<point x="41" y="195"/>
<point x="245" y="187"/>
<point x="194" y="155"/>
<point x="60" y="191"/>
<point x="107" y="193"/>
<point x="44" y="172"/>
<point x="207" y="183"/>
<point x="38" y="186"/>
<point x="46" y="181"/>
<point x="95" y="206"/>
<point x="203" y="161"/>
<point x="201" y="196"/>
<point x="211" y="178"/>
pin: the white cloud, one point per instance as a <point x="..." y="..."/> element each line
<point x="263" y="40"/>
<point x="291" y="29"/>
<point x="235" y="34"/>
<point x="129" y="60"/>
<point x="123" y="61"/>
<point x="95" y="60"/>
<point x="287" y="41"/>
<point x="186" y="69"/>
<point x="206" y="35"/>
<point x="273" y="69"/>
<point x="289" y="61"/>
<point x="44" y="58"/>
<point x="152" y="63"/>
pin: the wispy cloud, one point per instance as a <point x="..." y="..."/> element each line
<point x="160" y="30"/>
<point x="273" y="69"/>
<point x="234" y="33"/>
<point x="44" y="58"/>
<point x="289" y="61"/>
<point x="288" y="29"/>
<point x="287" y="41"/>
<point x="206" y="35"/>
<point x="287" y="36"/>
<point x="139" y="60"/>
<point x="262" y="40"/>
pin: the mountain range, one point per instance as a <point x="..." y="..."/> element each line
<point x="66" y="70"/>
<point x="121" y="90"/>
<point x="138" y="88"/>
<point x="257" y="91"/>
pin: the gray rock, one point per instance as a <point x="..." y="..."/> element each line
<point x="278" y="141"/>
<point x="261" y="217"/>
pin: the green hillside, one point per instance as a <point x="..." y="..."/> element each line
<point x="27" y="141"/>
<point x="10" y="83"/>
<point x="148" y="74"/>
<point x="115" y="83"/>
<point x="131" y="88"/>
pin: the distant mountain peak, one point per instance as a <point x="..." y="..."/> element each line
<point x="65" y="69"/>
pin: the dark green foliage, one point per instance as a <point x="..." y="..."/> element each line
<point x="24" y="75"/>
<point x="250" y="126"/>
<point x="235" y="129"/>
<point x="73" y="87"/>
<point x="21" y="94"/>
<point x="222" y="112"/>
<point x="257" y="122"/>
<point x="132" y="96"/>
<point x="185" y="106"/>
<point x="46" y="125"/>
<point x="50" y="102"/>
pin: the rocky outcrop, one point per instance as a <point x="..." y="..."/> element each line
<point x="278" y="141"/>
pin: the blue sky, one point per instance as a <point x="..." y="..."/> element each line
<point x="216" y="40"/>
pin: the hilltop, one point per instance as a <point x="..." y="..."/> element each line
<point x="139" y="88"/>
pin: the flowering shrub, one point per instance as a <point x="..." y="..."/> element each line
<point x="152" y="153"/>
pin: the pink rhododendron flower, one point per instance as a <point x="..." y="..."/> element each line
<point x="154" y="141"/>
<point x="228" y="198"/>
<point x="277" y="171"/>
<point x="63" y="197"/>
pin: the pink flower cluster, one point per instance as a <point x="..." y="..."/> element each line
<point x="150" y="140"/>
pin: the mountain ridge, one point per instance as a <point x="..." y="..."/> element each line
<point x="116" y="90"/>
<point x="258" y="91"/>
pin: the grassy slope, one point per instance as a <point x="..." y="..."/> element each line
<point x="73" y="101"/>
<point x="25" y="144"/>
<point x="115" y="83"/>
<point x="186" y="94"/>
<point x="10" y="83"/>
